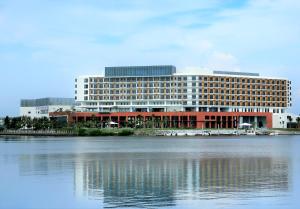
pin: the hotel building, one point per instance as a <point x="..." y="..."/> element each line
<point x="218" y="99"/>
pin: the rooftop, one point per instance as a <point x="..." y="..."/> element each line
<point x="169" y="70"/>
<point x="47" y="102"/>
<point x="235" y="73"/>
<point x="154" y="70"/>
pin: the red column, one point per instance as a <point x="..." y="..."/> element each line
<point x="227" y="119"/>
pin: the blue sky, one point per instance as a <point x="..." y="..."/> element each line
<point x="44" y="45"/>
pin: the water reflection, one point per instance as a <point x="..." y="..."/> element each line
<point x="160" y="179"/>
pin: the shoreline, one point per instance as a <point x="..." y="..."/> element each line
<point x="93" y="132"/>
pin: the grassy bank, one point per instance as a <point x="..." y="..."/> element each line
<point x="104" y="132"/>
<point x="286" y="129"/>
<point x="72" y="131"/>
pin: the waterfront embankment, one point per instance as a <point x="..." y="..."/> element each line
<point x="70" y="132"/>
<point x="38" y="133"/>
<point x="148" y="132"/>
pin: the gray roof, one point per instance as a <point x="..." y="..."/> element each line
<point x="155" y="70"/>
<point x="47" y="102"/>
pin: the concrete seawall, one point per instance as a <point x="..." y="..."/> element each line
<point x="37" y="133"/>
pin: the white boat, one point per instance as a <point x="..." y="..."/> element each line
<point x="274" y="134"/>
<point x="205" y="133"/>
<point x="250" y="133"/>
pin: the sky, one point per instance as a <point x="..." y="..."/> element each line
<point x="45" y="44"/>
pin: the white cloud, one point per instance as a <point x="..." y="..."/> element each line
<point x="223" y="61"/>
<point x="263" y="36"/>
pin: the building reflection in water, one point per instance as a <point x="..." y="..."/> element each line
<point x="159" y="179"/>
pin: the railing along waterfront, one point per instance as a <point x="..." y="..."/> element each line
<point x="39" y="132"/>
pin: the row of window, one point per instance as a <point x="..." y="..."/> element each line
<point x="205" y="98"/>
<point x="213" y="103"/>
<point x="212" y="94"/>
<point x="185" y="78"/>
<point x="185" y="90"/>
<point x="152" y="85"/>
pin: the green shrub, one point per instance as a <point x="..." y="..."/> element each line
<point x="107" y="133"/>
<point x="82" y="132"/>
<point x="125" y="132"/>
<point x="96" y="132"/>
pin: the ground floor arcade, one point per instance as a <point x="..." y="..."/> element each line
<point x="169" y="119"/>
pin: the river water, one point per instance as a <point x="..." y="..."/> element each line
<point x="150" y="172"/>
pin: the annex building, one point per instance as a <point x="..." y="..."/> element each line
<point x="218" y="99"/>
<point x="37" y="108"/>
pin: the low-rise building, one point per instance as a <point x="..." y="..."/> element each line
<point x="36" y="108"/>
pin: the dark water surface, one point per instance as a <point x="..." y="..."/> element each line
<point x="135" y="172"/>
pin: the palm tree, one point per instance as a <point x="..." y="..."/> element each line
<point x="139" y="122"/>
<point x="150" y="121"/>
<point x="94" y="122"/>
<point x="165" y="122"/>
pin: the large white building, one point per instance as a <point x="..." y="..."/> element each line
<point x="162" y="89"/>
<point x="36" y="108"/>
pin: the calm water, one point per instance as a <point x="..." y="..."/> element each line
<point x="250" y="172"/>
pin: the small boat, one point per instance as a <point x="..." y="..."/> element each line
<point x="274" y="134"/>
<point x="206" y="133"/>
<point x="236" y="133"/>
<point x="250" y="133"/>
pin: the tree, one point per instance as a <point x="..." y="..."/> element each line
<point x="165" y="122"/>
<point x="290" y="120"/>
<point x="139" y="122"/>
<point x="298" y="121"/>
<point x="25" y="122"/>
<point x="7" y="122"/>
<point x="15" y="123"/>
<point x="149" y="122"/>
<point x="41" y="123"/>
<point x="45" y="123"/>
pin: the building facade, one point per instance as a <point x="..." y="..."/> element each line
<point x="36" y="108"/>
<point x="143" y="89"/>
